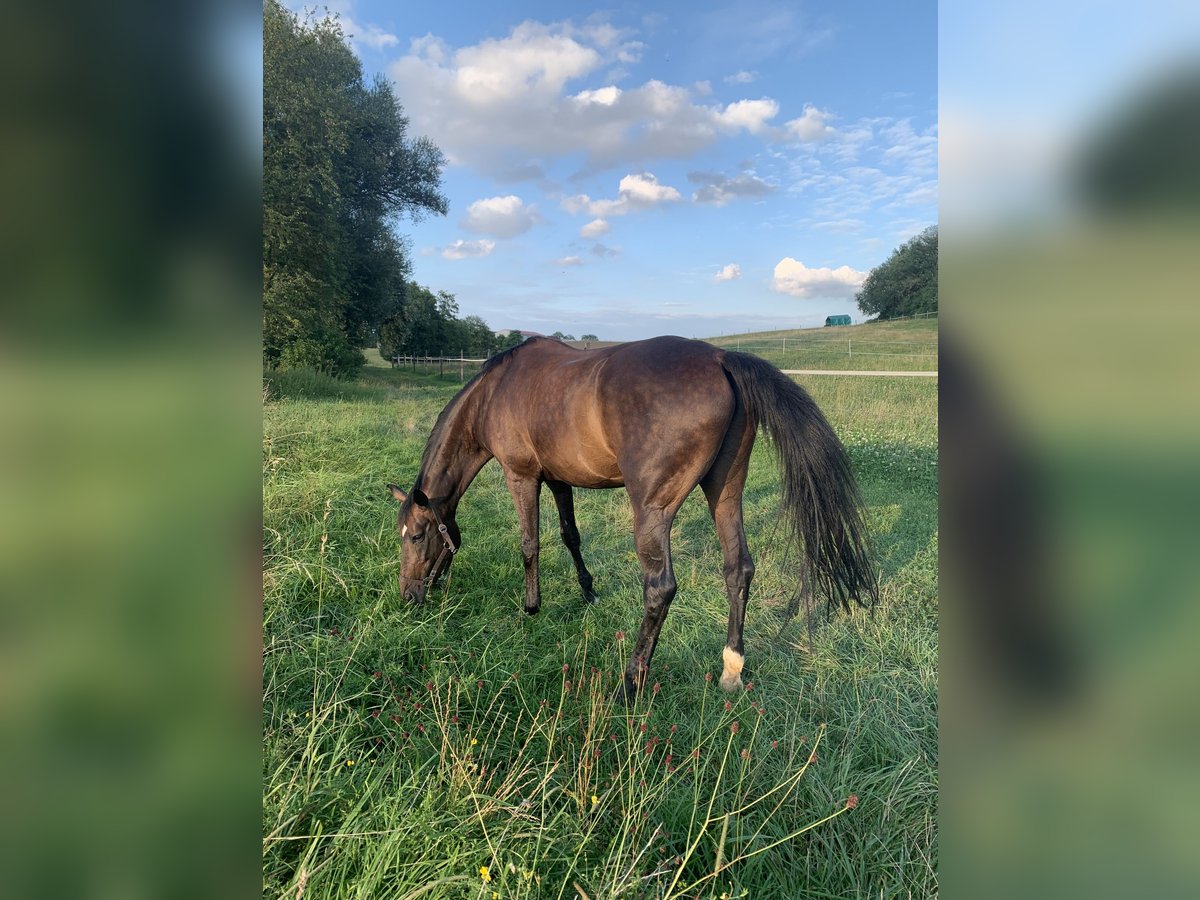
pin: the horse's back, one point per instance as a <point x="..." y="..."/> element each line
<point x="595" y="418"/>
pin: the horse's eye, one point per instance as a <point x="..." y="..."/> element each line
<point x="418" y="537"/>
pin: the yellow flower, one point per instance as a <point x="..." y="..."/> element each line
<point x="485" y="874"/>
<point x="349" y="762"/>
<point x="595" y="799"/>
<point x="474" y="742"/>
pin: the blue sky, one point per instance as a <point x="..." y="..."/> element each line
<point x="662" y="168"/>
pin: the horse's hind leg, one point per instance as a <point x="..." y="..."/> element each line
<point x="570" y="535"/>
<point x="652" y="534"/>
<point x="722" y="487"/>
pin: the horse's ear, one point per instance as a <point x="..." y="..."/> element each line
<point x="397" y="493"/>
<point x="419" y="498"/>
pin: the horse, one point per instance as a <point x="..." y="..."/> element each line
<point x="657" y="417"/>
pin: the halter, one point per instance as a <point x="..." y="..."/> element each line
<point x="449" y="547"/>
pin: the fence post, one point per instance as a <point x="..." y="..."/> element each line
<point x="461" y="356"/>
<point x="849" y="348"/>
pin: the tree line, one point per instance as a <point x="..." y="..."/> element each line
<point x="906" y="283"/>
<point x="340" y="171"/>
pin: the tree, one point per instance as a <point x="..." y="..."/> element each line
<point x="906" y="284"/>
<point x="589" y="337"/>
<point x="558" y="335"/>
<point x="338" y="172"/>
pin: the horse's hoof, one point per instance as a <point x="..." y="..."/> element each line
<point x="532" y="610"/>
<point x="589" y="596"/>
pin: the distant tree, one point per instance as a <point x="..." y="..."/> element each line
<point x="510" y="340"/>
<point x="589" y="337"/>
<point x="907" y="283"/>
<point x="563" y="337"/>
<point x="338" y="170"/>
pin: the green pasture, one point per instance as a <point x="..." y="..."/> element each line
<point x="464" y="750"/>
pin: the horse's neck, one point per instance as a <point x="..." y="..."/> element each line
<point x="456" y="458"/>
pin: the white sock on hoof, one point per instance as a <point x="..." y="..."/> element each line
<point x="731" y="678"/>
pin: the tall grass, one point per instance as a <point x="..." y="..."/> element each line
<point x="462" y="749"/>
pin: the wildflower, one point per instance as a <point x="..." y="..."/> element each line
<point x="708" y="676"/>
<point x="376" y="675"/>
<point x="567" y="686"/>
<point x="349" y="762"/>
<point x="734" y="727"/>
<point x="749" y="685"/>
<point x="674" y="728"/>
<point x="852" y="801"/>
<point x="485" y="874"/>
<point x="745" y="754"/>
<point x="474" y="742"/>
<point x="728" y="706"/>
<point x="812" y="757"/>
<point x="696" y="753"/>
<point x="620" y="635"/>
<point x="774" y="745"/>
<point x="429" y="686"/>
<point x="479" y="685"/>
<point x="374" y="714"/>
<point x="566" y="668"/>
<point x="595" y="799"/>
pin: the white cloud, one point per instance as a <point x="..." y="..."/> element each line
<point x="812" y="126"/>
<point x="605" y="96"/>
<point x="367" y="35"/>
<point x="751" y="115"/>
<point x="742" y="77"/>
<point x="464" y="249"/>
<point x="795" y="278"/>
<point x="729" y="273"/>
<point x="501" y="217"/>
<point x="718" y="190"/>
<point x="569" y="261"/>
<point x="505" y="104"/>
<point x="594" y="228"/>
<point x="633" y="192"/>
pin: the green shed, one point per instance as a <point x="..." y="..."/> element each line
<point x="836" y="320"/>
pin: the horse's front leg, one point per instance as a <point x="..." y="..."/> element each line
<point x="525" y="493"/>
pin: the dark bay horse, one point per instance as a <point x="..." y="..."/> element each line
<point x="658" y="417"/>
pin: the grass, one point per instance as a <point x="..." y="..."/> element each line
<point x="462" y="749"/>
<point x="907" y="345"/>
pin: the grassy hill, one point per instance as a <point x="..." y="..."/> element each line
<point x="908" y="345"/>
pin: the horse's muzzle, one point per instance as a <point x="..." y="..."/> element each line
<point x="412" y="590"/>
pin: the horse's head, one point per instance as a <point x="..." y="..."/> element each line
<point x="429" y="538"/>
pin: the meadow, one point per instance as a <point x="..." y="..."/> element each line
<point x="464" y="750"/>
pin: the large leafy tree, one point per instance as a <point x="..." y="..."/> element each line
<point x="907" y="283"/>
<point x="339" y="171"/>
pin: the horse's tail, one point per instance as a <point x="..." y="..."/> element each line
<point x="823" y="509"/>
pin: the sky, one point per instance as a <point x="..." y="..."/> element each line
<point x="669" y="168"/>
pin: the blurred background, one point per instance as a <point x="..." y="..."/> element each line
<point x="130" y="404"/>
<point x="1070" y="442"/>
<point x="130" y="391"/>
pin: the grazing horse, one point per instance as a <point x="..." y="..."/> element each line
<point x="658" y="417"/>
